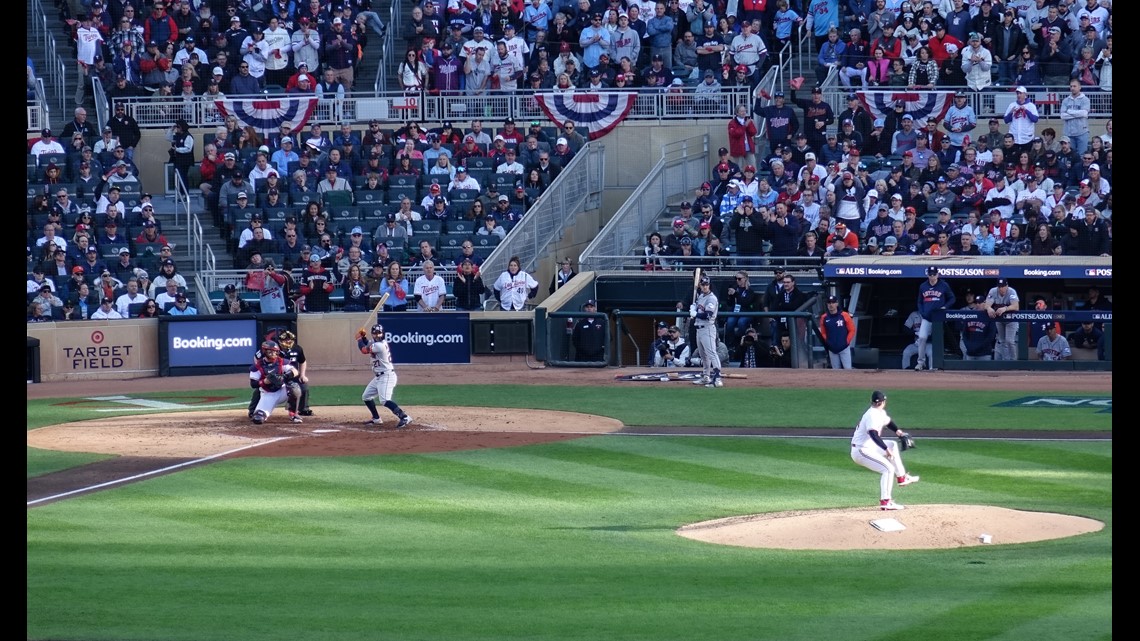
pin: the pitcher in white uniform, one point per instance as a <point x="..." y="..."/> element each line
<point x="870" y="450"/>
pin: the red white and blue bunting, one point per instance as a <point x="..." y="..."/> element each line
<point x="921" y="105"/>
<point x="599" y="112"/>
<point x="268" y="115"/>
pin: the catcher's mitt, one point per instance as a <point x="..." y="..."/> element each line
<point x="905" y="441"/>
<point x="273" y="382"/>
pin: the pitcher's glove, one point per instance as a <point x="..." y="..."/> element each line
<point x="905" y="441"/>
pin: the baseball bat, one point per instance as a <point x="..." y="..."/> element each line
<point x="696" y="281"/>
<point x="373" y="313"/>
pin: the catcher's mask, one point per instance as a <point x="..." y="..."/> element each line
<point x="269" y="348"/>
<point x="287" y="339"/>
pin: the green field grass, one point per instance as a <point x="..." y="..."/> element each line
<point x="575" y="540"/>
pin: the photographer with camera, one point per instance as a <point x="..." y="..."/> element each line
<point x="780" y="354"/>
<point x="749" y="351"/>
<point x="674" y="352"/>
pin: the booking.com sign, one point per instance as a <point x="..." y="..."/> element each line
<point x="428" y="338"/>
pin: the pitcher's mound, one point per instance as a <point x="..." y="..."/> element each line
<point x="926" y="527"/>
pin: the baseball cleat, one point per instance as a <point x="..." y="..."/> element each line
<point x="258" y="417"/>
<point x="306" y="412"/>
<point x="921" y="366"/>
<point x="375" y="421"/>
<point x="908" y="479"/>
<point x="296" y="419"/>
<point x="888" y="504"/>
<point x="718" y="382"/>
<point x="701" y="381"/>
<point x="404" y="422"/>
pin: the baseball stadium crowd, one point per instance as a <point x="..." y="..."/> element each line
<point x="819" y="183"/>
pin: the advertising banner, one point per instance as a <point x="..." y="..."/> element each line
<point x="428" y="338"/>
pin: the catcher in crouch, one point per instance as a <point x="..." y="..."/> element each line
<point x="277" y="380"/>
<point x="869" y="449"/>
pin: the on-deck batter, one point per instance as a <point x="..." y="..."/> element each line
<point x="704" y="311"/>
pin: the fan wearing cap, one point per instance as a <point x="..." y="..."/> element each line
<point x="818" y="116"/>
<point x="999" y="301"/>
<point x="106" y="310"/>
<point x="977" y="60"/>
<point x="46" y="144"/>
<point x="150" y="233"/>
<point x="934" y="294"/>
<point x="1021" y="117"/>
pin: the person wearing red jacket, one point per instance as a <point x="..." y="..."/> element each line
<point x="938" y="44"/>
<point x="742" y="137"/>
<point x="159" y="26"/>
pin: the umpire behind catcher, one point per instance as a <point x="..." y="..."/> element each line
<point x="293" y="354"/>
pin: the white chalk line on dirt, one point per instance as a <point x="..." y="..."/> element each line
<point x="138" y="410"/>
<point x="153" y="472"/>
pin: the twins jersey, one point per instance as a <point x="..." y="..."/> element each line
<point x="514" y="289"/>
<point x="381" y="358"/>
<point x="874" y="420"/>
<point x="273" y="294"/>
<point x="1054" y="350"/>
<point x="430" y="290"/>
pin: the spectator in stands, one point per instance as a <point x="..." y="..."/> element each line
<point x="355" y="290"/>
<point x="231" y="303"/>
<point x="316" y="283"/>
<point x="46" y="144"/>
<point x="491" y="228"/>
<point x="106" y="310"/>
<point x="167" y="271"/>
<point x="333" y="182"/>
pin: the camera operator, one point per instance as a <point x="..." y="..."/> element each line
<point x="749" y="351"/>
<point x="674" y="352"/>
<point x="780" y="354"/>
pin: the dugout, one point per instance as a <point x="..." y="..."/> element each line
<point x="634" y="301"/>
<point x="881" y="291"/>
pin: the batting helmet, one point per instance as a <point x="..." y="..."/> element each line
<point x="878" y="397"/>
<point x="378" y="331"/>
<point x="287" y="338"/>
<point x="705" y="280"/>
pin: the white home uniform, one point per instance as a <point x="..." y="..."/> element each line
<point x="867" y="453"/>
<point x="514" y="290"/>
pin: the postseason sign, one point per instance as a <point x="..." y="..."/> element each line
<point x="428" y="338"/>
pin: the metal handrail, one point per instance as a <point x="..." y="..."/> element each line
<point x="577" y="188"/>
<point x="152" y="112"/>
<point x="633" y="262"/>
<point x="674" y="174"/>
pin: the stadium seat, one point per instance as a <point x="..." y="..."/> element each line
<point x="426" y="227"/>
<point x="462" y="227"/>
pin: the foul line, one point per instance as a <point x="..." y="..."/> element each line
<point x="153" y="472"/>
